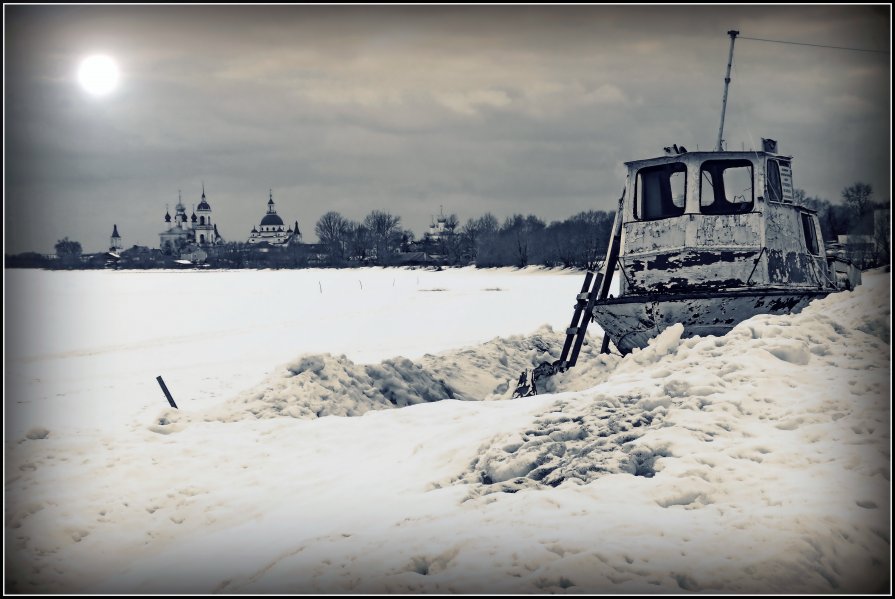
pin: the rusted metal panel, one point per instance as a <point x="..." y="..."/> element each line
<point x="791" y="268"/>
<point x="651" y="236"/>
<point x="631" y="322"/>
<point x="788" y="260"/>
<point x="688" y="269"/>
<point x="696" y="251"/>
<point x="729" y="230"/>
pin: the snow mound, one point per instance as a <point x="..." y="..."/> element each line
<point x="574" y="442"/>
<point x="318" y="385"/>
<point x="767" y="375"/>
<point x="491" y="370"/>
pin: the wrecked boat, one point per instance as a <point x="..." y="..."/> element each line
<point x="709" y="239"/>
<point x="706" y="239"/>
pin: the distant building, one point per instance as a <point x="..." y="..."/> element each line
<point x="272" y="230"/>
<point x="176" y="237"/>
<point x="200" y="230"/>
<point x="194" y="254"/>
<point x="439" y="229"/>
<point x="882" y="232"/>
<point x="115" y="244"/>
<point x="860" y="249"/>
<point x="140" y="256"/>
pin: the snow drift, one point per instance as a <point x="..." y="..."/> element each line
<point x="318" y="385"/>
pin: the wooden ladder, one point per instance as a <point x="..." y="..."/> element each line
<point x="594" y="288"/>
<point x="589" y="295"/>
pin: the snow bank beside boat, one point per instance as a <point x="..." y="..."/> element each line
<point x="319" y="385"/>
<point x="621" y="425"/>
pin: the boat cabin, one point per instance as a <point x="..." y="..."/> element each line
<point x="717" y="221"/>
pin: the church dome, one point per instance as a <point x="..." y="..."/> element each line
<point x="203" y="205"/>
<point x="271" y="220"/>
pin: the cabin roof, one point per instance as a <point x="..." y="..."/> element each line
<point x="700" y="156"/>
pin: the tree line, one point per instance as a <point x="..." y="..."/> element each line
<point x="484" y="241"/>
<point x="579" y="241"/>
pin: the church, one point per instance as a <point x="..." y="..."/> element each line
<point x="198" y="231"/>
<point x="272" y="230"/>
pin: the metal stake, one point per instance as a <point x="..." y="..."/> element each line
<point x="166" y="392"/>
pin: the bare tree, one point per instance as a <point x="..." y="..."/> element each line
<point x="518" y="239"/>
<point x="482" y="239"/>
<point x="68" y="252"/>
<point x="407" y="239"/>
<point x="332" y="230"/>
<point x="385" y="233"/>
<point x="360" y="243"/>
<point x="857" y="197"/>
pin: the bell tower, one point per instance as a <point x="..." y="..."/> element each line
<point x="115" y="243"/>
<point x="203" y="228"/>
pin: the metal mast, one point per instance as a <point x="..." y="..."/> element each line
<point x="733" y="34"/>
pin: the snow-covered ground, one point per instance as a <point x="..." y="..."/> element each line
<point x="308" y="456"/>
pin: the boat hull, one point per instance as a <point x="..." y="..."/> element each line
<point x="631" y="321"/>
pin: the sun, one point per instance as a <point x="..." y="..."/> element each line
<point x="98" y="74"/>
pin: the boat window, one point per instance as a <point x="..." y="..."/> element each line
<point x="810" y="234"/>
<point x="726" y="187"/>
<point x="661" y="191"/>
<point x="775" y="188"/>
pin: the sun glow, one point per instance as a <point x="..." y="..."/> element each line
<point x="98" y="75"/>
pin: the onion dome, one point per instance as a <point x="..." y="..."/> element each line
<point x="167" y="217"/>
<point x="203" y="205"/>
<point x="194" y="218"/>
<point x="115" y="232"/>
<point x="271" y="220"/>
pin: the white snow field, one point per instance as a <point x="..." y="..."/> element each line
<point x="316" y="448"/>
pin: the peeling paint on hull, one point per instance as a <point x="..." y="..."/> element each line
<point x="633" y="320"/>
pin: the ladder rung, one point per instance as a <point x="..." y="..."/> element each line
<point x="583" y="296"/>
<point x="571" y="330"/>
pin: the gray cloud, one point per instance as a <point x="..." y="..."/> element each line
<point x="501" y="109"/>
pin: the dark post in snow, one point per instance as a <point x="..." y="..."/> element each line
<point x="167" y="393"/>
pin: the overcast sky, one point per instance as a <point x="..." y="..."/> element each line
<point x="500" y="109"/>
